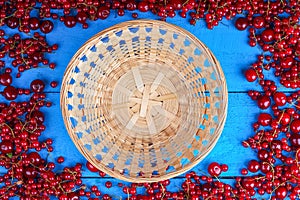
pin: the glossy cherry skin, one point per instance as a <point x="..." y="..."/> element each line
<point x="267" y="35"/>
<point x="10" y="93"/>
<point x="295" y="126"/>
<point x="241" y="23"/>
<point x="250" y="75"/>
<point x="280" y="98"/>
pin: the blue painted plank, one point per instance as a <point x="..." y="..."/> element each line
<point x="228" y="44"/>
<point x="228" y="149"/>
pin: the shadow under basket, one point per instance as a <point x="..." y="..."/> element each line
<point x="144" y="100"/>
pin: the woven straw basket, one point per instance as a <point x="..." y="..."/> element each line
<point x="144" y="100"/>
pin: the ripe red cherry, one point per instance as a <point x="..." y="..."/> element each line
<point x="214" y="169"/>
<point x="241" y="23"/>
<point x="258" y="22"/>
<point x="281" y="192"/>
<point x="81" y="17"/>
<point x="284" y="118"/>
<point x="295" y="126"/>
<point x="12" y="22"/>
<point x="10" y="93"/>
<point x="264" y="102"/>
<point x="46" y="26"/>
<point x="267" y="35"/>
<point x="60" y="159"/>
<point x="280" y="98"/>
<point x="37" y="86"/>
<point x="6" y="146"/>
<point x="295" y="140"/>
<point x="33" y="23"/>
<point x="38" y="116"/>
<point x="103" y="12"/>
<point x="5" y="79"/>
<point x="35" y="158"/>
<point x="251" y="75"/>
<point x="91" y="167"/>
<point x="253" y="166"/>
<point x="143" y="6"/>
<point x="263" y="154"/>
<point x="287" y="62"/>
<point x="70" y="21"/>
<point x="264" y="119"/>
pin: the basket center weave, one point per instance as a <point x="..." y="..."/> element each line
<point x="145" y="100"/>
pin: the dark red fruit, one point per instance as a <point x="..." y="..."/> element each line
<point x="214" y="169"/>
<point x="5" y="79"/>
<point x="12" y="22"/>
<point x="267" y="35"/>
<point x="264" y="119"/>
<point x="34" y="23"/>
<point x="10" y="93"/>
<point x="258" y="22"/>
<point x="251" y="75"/>
<point x="253" y="166"/>
<point x="37" y="86"/>
<point x="281" y="192"/>
<point x="46" y="26"/>
<point x="264" y="102"/>
<point x="280" y="98"/>
<point x="295" y="140"/>
<point x="103" y="12"/>
<point x="6" y="147"/>
<point x="91" y="167"/>
<point x="295" y="126"/>
<point x="70" y="21"/>
<point x="241" y="23"/>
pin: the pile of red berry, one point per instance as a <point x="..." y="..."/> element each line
<point x="273" y="26"/>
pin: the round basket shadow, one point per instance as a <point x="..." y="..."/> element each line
<point x="144" y="100"/>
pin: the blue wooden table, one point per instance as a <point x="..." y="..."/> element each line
<point x="229" y="46"/>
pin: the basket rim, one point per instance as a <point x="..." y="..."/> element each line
<point x="219" y="127"/>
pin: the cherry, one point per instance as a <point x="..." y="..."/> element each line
<point x="284" y="118"/>
<point x="258" y="22"/>
<point x="295" y="126"/>
<point x="214" y="169"/>
<point x="287" y="62"/>
<point x="280" y="98"/>
<point x="10" y="93"/>
<point x="37" y="86"/>
<point x="33" y="23"/>
<point x="35" y="158"/>
<point x="103" y="12"/>
<point x="91" y="167"/>
<point x="5" y="79"/>
<point x="38" y="116"/>
<point x="251" y="75"/>
<point x="264" y="119"/>
<point x="12" y="22"/>
<point x="281" y="192"/>
<point x="267" y="35"/>
<point x="253" y="166"/>
<point x="70" y="21"/>
<point x="6" y="147"/>
<point x="264" y="102"/>
<point x="46" y="26"/>
<point x="143" y="6"/>
<point x="241" y="23"/>
<point x="295" y="140"/>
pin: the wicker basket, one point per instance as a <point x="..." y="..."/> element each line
<point x="144" y="100"/>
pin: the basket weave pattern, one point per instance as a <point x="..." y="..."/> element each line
<point x="144" y="100"/>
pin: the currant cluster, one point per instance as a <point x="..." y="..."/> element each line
<point x="25" y="53"/>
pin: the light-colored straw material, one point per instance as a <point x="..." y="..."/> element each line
<point x="144" y="100"/>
